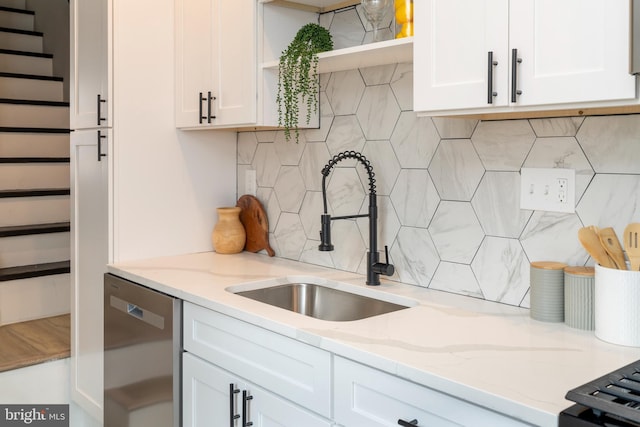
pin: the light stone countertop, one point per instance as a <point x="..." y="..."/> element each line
<point x="489" y="354"/>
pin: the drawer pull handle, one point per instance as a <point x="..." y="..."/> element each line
<point x="210" y="98"/>
<point x="412" y="423"/>
<point x="200" y="116"/>
<point x="100" y="138"/>
<point x="246" y="397"/>
<point x="515" y="92"/>
<point x="100" y="102"/>
<point x="490" y="64"/>
<point x="232" y="400"/>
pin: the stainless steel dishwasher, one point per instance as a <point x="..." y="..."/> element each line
<point x="142" y="346"/>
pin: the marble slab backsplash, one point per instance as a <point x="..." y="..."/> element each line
<point x="448" y="189"/>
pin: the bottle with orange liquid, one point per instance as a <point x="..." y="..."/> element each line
<point x="404" y="18"/>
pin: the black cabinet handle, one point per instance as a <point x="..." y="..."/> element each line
<point x="412" y="423"/>
<point x="100" y="138"/>
<point x="232" y="400"/>
<point x="514" y="74"/>
<point x="490" y="64"/>
<point x="100" y="102"/>
<point x="200" y="116"/>
<point x="246" y="397"/>
<point x="210" y="98"/>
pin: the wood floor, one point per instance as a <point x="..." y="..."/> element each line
<point x="36" y="341"/>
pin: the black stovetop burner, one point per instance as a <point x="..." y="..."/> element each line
<point x="611" y="400"/>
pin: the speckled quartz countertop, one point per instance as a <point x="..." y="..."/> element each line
<point x="489" y="354"/>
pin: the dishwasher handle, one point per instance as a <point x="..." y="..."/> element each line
<point x="138" y="312"/>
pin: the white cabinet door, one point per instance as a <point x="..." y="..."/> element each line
<point x="571" y="50"/>
<point x="364" y="396"/>
<point x="89" y="74"/>
<point x="206" y="396"/>
<point x="451" y="53"/>
<point x="215" y="63"/>
<point x="215" y="397"/>
<point x="89" y="256"/>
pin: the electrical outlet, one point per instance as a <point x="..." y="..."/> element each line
<point x="250" y="184"/>
<point x="548" y="189"/>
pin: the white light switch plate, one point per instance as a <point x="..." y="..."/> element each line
<point x="548" y="189"/>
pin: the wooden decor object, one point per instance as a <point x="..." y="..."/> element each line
<point x="256" y="225"/>
<point x="228" y="235"/>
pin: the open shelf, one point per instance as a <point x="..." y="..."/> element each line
<point x="317" y="6"/>
<point x="368" y="55"/>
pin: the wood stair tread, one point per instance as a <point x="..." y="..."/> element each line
<point x="31" y="76"/>
<point x="25" y="32"/>
<point x="25" y="230"/>
<point x="31" y="102"/>
<point x="25" y="53"/>
<point x="33" y="130"/>
<point x="34" y="159"/>
<point x="34" y="341"/>
<point x="34" y="270"/>
<point x="35" y="192"/>
<point x="14" y="10"/>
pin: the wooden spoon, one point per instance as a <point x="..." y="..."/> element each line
<point x="591" y="243"/>
<point x="631" y="244"/>
<point x="612" y="246"/>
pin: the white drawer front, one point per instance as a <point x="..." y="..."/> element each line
<point x="298" y="371"/>
<point x="366" y="396"/>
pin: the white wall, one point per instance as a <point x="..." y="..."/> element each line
<point x="167" y="182"/>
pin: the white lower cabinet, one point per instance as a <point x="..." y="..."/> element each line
<point x="215" y="397"/>
<point x="239" y="375"/>
<point x="364" y="396"/>
<point x="223" y="352"/>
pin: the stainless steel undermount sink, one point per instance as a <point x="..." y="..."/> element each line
<point x="321" y="302"/>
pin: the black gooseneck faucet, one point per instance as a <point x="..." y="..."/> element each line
<point x="374" y="267"/>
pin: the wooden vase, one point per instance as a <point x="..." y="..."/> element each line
<point x="228" y="235"/>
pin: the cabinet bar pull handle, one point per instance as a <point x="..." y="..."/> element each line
<point x="100" y="138"/>
<point x="412" y="423"/>
<point x="232" y="400"/>
<point x="100" y="102"/>
<point x="200" y="116"/>
<point x="514" y="74"/>
<point x="246" y="397"/>
<point x="209" y="99"/>
<point x="490" y="64"/>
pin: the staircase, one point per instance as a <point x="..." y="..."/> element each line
<point x="34" y="174"/>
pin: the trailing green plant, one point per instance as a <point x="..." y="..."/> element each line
<point x="298" y="76"/>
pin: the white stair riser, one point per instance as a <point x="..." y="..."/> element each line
<point x="21" y="42"/>
<point x="17" y="21"/>
<point x="34" y="249"/>
<point x="23" y="64"/>
<point x="34" y="298"/>
<point x="31" y="89"/>
<point x="34" y="145"/>
<point x="16" y="4"/>
<point x="34" y="210"/>
<point x="34" y="116"/>
<point x="23" y="176"/>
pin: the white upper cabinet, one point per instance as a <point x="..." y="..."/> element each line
<point x="571" y="50"/>
<point x="216" y="66"/>
<point x="452" y="43"/>
<point x="491" y="56"/>
<point x="89" y="74"/>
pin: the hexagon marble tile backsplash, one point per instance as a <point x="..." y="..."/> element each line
<point x="448" y="189"/>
